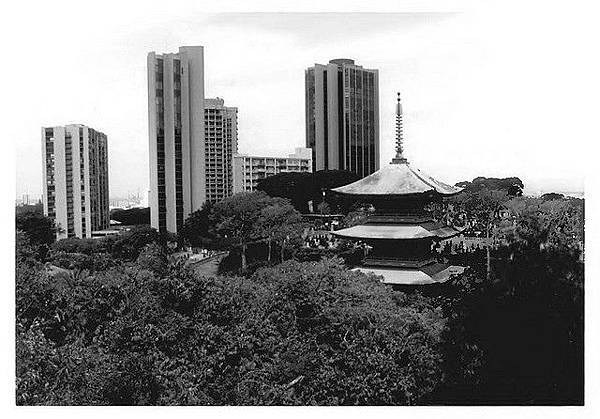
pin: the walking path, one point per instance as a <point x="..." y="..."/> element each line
<point x="208" y="266"/>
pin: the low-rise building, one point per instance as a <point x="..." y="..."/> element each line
<point x="249" y="170"/>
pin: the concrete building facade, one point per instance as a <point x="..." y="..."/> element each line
<point x="220" y="144"/>
<point x="249" y="170"/>
<point x="342" y="116"/>
<point x="75" y="176"/>
<point x="176" y="136"/>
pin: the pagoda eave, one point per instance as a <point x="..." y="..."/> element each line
<point x="399" y="276"/>
<point x="393" y="197"/>
<point x="396" y="181"/>
<point x="396" y="232"/>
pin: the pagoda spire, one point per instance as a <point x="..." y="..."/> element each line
<point x="399" y="159"/>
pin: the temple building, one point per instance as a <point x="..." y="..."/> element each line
<point x="400" y="232"/>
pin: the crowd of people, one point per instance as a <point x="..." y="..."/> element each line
<point x="316" y="239"/>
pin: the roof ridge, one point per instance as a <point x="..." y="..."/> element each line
<point x="432" y="181"/>
<point x="420" y="175"/>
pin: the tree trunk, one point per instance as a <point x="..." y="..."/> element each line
<point x="270" y="247"/>
<point x="487" y="248"/>
<point x="282" y="249"/>
<point x="244" y="246"/>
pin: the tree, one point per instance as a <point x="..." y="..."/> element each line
<point x="153" y="258"/>
<point x="237" y="218"/>
<point x="132" y="216"/>
<point x="329" y="179"/>
<point x="358" y="214"/>
<point x="279" y="222"/>
<point x="298" y="187"/>
<point x="37" y="208"/>
<point x="77" y="245"/>
<point x="312" y="333"/>
<point x="357" y="341"/>
<point x="198" y="228"/>
<point x="482" y="207"/>
<point x="513" y="186"/>
<point x="41" y="230"/>
<point x="535" y="301"/>
<point x="297" y="334"/>
<point x="129" y="244"/>
<point x="323" y="208"/>
<point x="555" y="224"/>
<point x="324" y="181"/>
<point x="551" y="196"/>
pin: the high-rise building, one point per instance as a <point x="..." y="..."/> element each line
<point x="220" y="144"/>
<point x="176" y="134"/>
<point x="342" y="116"/>
<point x="248" y="170"/>
<point x="75" y="172"/>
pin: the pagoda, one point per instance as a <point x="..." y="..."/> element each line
<point x="400" y="232"/>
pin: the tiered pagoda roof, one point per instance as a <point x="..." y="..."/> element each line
<point x="400" y="231"/>
<point x="434" y="273"/>
<point x="429" y="229"/>
<point x="397" y="179"/>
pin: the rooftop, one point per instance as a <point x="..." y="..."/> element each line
<point x="340" y="61"/>
<point x="434" y="274"/>
<point x="397" y="179"/>
<point x="395" y="232"/>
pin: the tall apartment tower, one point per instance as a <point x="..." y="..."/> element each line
<point x="75" y="172"/>
<point x="220" y="134"/>
<point x="342" y="116"/>
<point x="176" y="134"/>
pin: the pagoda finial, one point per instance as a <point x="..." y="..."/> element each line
<point x="399" y="159"/>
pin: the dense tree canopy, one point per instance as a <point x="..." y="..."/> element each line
<point x="279" y="222"/>
<point x="295" y="186"/>
<point x="241" y="223"/>
<point x="198" y="229"/>
<point x="525" y="325"/>
<point x="37" y="208"/>
<point x="300" y="188"/>
<point x="114" y="321"/>
<point x="253" y="216"/>
<point x="41" y="230"/>
<point x="511" y="185"/>
<point x="132" y="216"/>
<point x="125" y="246"/>
<point x="552" y="196"/>
<point x="152" y="333"/>
<point x="129" y="244"/>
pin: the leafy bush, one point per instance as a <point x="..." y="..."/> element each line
<point x="41" y="230"/>
<point x="129" y="244"/>
<point x="132" y="216"/>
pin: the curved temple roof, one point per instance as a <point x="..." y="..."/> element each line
<point x="397" y="179"/>
<point x="395" y="232"/>
<point x="437" y="274"/>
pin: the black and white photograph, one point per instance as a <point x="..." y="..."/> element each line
<point x="327" y="204"/>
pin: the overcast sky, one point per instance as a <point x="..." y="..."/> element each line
<point x="485" y="93"/>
